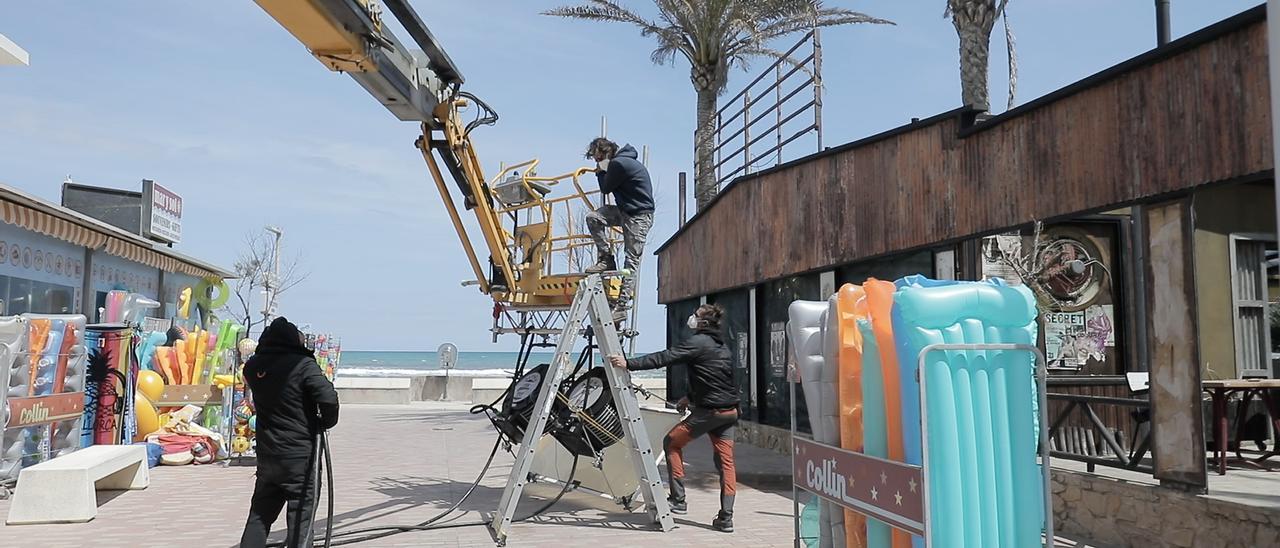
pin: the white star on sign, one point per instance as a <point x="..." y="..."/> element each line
<point x="874" y="495"/>
<point x="912" y="483"/>
<point x="884" y="478"/>
<point x="897" y="497"/>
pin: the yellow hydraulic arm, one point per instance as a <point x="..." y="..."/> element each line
<point x="529" y="235"/>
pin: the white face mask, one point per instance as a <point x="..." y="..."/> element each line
<point x="603" y="164"/>
<point x="692" y="322"/>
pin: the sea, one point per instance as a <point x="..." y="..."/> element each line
<point x="359" y="363"/>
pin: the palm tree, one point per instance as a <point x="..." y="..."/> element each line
<point x="715" y="35"/>
<point x="974" y="20"/>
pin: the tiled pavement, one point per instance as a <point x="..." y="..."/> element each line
<point x="404" y="464"/>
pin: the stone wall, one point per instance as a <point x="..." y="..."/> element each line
<point x="1122" y="514"/>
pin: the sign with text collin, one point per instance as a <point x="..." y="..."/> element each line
<point x="892" y="492"/>
<point x="161" y="213"/>
<point x="38" y="410"/>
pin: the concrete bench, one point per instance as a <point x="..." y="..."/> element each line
<point x="63" y="490"/>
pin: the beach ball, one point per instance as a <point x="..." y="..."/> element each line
<point x="247" y="347"/>
<point x="243" y="413"/>
<point x="253" y="423"/>
<point x="148" y="420"/>
<point x="239" y="444"/>
<point x="150" y="384"/>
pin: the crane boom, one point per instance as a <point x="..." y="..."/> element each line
<point x="528" y="234"/>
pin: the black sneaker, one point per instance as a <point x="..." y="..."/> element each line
<point x="722" y="524"/>
<point x="604" y="264"/>
<point x="678" y="506"/>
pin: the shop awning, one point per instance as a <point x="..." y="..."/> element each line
<point x="44" y="223"/>
<point x="23" y="210"/>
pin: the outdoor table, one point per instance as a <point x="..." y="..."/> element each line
<point x="1220" y="391"/>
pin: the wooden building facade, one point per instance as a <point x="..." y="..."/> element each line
<point x="1184" y="131"/>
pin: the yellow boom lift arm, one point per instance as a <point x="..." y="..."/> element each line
<point x="529" y="235"/>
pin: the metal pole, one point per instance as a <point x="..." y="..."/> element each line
<point x="1162" y="22"/>
<point x="1273" y="50"/>
<point x="604" y="127"/>
<point x="746" y="132"/>
<point x="795" y="493"/>
<point x="817" y="84"/>
<point x="684" y="197"/>
<point x="273" y="284"/>
<point x="777" y="109"/>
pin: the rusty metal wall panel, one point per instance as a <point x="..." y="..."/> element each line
<point x="1197" y="117"/>
<point x="1176" y="415"/>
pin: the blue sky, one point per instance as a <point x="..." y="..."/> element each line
<point x="220" y="104"/>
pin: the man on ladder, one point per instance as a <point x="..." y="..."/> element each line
<point x="620" y="173"/>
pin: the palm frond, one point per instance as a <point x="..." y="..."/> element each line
<point x="604" y="10"/>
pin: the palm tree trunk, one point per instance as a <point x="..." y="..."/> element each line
<point x="704" y="175"/>
<point x="974" y="59"/>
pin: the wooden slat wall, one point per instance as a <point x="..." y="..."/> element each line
<point x="1200" y="116"/>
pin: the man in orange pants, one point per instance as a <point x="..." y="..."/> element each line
<point x="714" y="395"/>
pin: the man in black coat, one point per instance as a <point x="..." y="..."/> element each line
<point x="294" y="403"/>
<point x="620" y="174"/>
<point x="714" y="395"/>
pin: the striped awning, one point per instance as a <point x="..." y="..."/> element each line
<point x="33" y="219"/>
<point x="44" y="223"/>
<point x="150" y="257"/>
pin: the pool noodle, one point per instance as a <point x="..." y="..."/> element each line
<point x="879" y="296"/>
<point x="876" y="442"/>
<point x="845" y="351"/>
<point x="69" y="339"/>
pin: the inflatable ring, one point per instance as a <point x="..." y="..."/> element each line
<point x="202" y="293"/>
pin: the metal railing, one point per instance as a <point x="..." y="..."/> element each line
<point x="744" y="121"/>
<point x="1099" y="425"/>
<point x="567" y="247"/>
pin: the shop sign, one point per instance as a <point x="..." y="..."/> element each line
<point x="156" y="324"/>
<point x="40" y="410"/>
<point x="161" y="213"/>
<point x="892" y="492"/>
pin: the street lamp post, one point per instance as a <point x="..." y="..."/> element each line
<point x="272" y="282"/>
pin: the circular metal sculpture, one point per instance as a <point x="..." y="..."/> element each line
<point x="589" y="421"/>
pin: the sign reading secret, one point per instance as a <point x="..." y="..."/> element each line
<point x="892" y="492"/>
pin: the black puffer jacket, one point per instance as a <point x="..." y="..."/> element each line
<point x="710" y="363"/>
<point x="291" y="395"/>
<point x="628" y="181"/>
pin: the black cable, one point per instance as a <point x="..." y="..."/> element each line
<point x="389" y="530"/>
<point x="328" y="468"/>
<point x="313" y="478"/>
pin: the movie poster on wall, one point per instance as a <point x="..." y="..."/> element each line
<point x="997" y="252"/>
<point x="778" y="349"/>
<point x="1073" y="338"/>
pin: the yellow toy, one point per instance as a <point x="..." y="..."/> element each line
<point x="184" y="306"/>
<point x="148" y="420"/>
<point x="239" y="444"/>
<point x="150" y="384"/>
